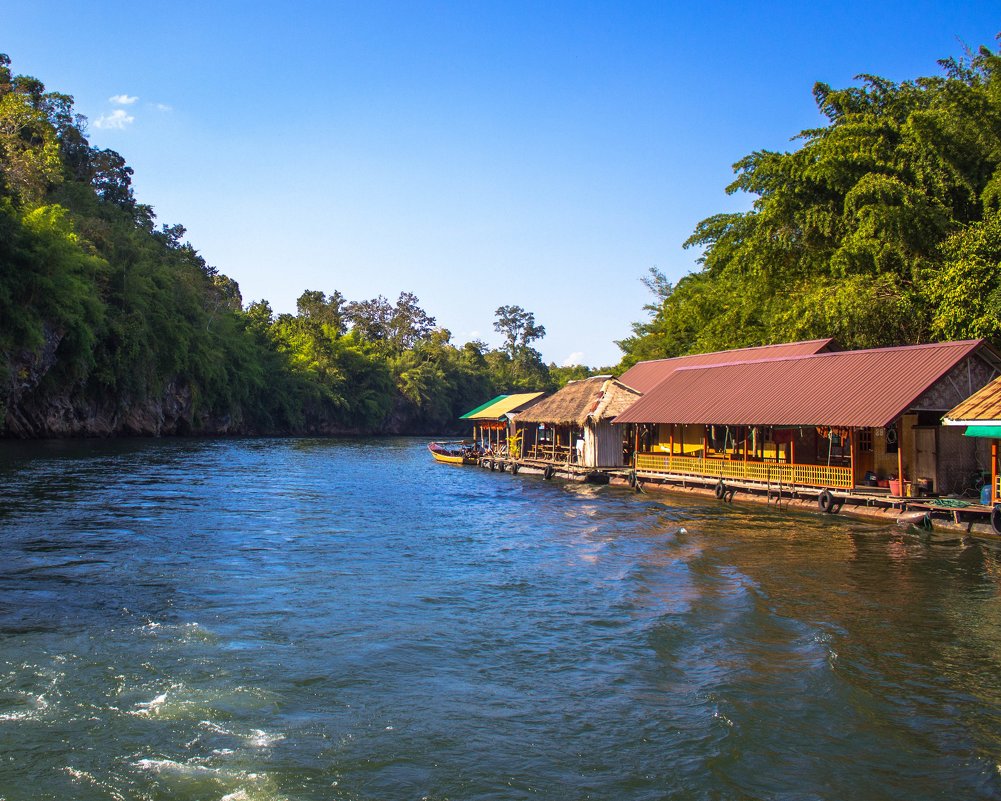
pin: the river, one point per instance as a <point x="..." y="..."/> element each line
<point x="326" y="619"/>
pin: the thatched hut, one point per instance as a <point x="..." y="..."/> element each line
<point x="574" y="426"/>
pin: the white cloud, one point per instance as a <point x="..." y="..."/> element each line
<point x="577" y="357"/>
<point x="122" y="100"/>
<point x="118" y="118"/>
<point x="162" y="107"/>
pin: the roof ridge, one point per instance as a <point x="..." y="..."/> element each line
<point x="969" y="343"/>
<point x="737" y="350"/>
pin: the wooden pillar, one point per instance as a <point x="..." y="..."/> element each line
<point x="705" y="442"/>
<point x="851" y="453"/>
<point x="994" y="472"/>
<point x="672" y="439"/>
<point x="900" y="452"/>
<point x="636" y="443"/>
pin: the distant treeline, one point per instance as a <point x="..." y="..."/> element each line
<point x="882" y="228"/>
<point x="111" y="324"/>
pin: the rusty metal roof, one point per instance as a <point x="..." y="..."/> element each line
<point x="847" y="388"/>
<point x="644" y="376"/>
<point x="982" y="407"/>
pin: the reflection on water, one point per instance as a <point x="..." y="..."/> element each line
<point x="311" y="619"/>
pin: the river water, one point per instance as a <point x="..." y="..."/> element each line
<point x="320" y="619"/>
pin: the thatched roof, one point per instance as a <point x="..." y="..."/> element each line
<point x="598" y="398"/>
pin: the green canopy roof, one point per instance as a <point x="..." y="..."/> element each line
<point x="483" y="406"/>
<point x="992" y="432"/>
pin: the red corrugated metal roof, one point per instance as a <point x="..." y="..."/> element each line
<point x="847" y="388"/>
<point x="644" y="376"/>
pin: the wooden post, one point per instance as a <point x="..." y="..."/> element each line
<point x="705" y="442"/>
<point x="671" y="440"/>
<point x="636" y="444"/>
<point x="900" y="453"/>
<point x="851" y="453"/>
<point x="995" y="495"/>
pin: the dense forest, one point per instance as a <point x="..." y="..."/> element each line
<point x="111" y="324"/>
<point x="882" y="228"/>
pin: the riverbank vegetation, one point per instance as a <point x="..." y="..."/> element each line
<point x="113" y="323"/>
<point x="883" y="227"/>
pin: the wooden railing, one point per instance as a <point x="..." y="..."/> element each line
<point x="557" y="454"/>
<point x="804" y="475"/>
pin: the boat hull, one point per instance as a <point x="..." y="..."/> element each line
<point x="449" y="456"/>
<point x="444" y="459"/>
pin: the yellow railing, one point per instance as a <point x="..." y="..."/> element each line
<point x="805" y="475"/>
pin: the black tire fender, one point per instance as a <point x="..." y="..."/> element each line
<point x="826" y="501"/>
<point x="548" y="473"/>
<point x="720" y="490"/>
<point x="515" y="467"/>
<point x="996" y="519"/>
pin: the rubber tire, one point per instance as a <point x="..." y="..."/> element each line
<point x="996" y="519"/>
<point x="826" y="501"/>
<point x="632" y="479"/>
<point x="515" y="467"/>
<point x="502" y="466"/>
<point x="720" y="490"/>
<point x="548" y="473"/>
<point x="491" y="465"/>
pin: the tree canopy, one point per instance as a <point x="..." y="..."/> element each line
<point x="111" y="323"/>
<point x="881" y="228"/>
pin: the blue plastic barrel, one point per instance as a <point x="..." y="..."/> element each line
<point x="985" y="495"/>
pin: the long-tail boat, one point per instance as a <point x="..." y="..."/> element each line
<point x="452" y="452"/>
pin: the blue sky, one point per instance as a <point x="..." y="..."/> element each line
<point x="477" y="154"/>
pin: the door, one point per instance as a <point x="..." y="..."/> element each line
<point x="926" y="454"/>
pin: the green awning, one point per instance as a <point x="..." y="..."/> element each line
<point x="991" y="432"/>
<point x="482" y="406"/>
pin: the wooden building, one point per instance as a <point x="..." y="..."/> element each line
<point x="492" y="420"/>
<point x="829" y="420"/>
<point x="574" y="427"/>
<point x="980" y="416"/>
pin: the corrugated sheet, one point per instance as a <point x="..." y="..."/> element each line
<point x="502" y="406"/>
<point x="644" y="376"/>
<point x="983" y="406"/>
<point x="848" y="388"/>
<point x="468" y="415"/>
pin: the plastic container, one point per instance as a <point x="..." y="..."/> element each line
<point x="894" y="485"/>
<point x="985" y="495"/>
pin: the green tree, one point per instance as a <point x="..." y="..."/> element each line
<point x="873" y="231"/>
